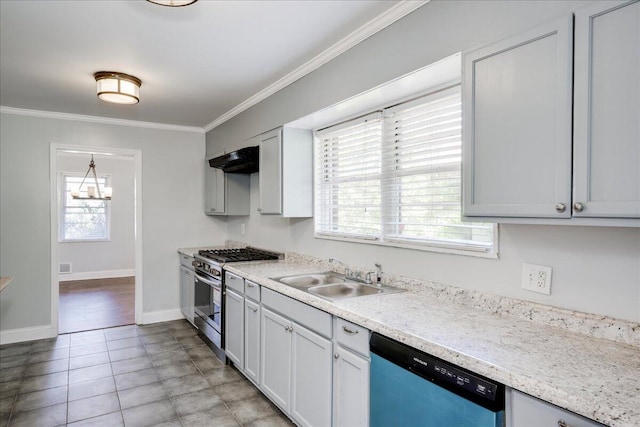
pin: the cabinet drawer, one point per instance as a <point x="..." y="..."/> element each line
<point x="527" y="411"/>
<point x="299" y="312"/>
<point x="186" y="261"/>
<point x="252" y="290"/>
<point x="234" y="282"/>
<point x="352" y="336"/>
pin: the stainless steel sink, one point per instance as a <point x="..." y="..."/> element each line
<point x="304" y="281"/>
<point x="345" y="290"/>
<point x="333" y="286"/>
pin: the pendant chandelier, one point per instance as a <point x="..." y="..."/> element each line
<point x="92" y="190"/>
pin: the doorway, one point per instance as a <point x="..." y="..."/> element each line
<point x="96" y="272"/>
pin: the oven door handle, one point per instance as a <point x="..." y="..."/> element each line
<point x="208" y="281"/>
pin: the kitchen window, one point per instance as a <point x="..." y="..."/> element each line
<point x="393" y="177"/>
<point x="82" y="220"/>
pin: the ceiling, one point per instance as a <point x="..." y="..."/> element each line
<point x="196" y="63"/>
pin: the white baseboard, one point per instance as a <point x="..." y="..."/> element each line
<point x="11" y="336"/>
<point x="161" y="316"/>
<point x="105" y="274"/>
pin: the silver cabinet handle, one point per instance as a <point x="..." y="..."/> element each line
<point x="578" y="207"/>
<point x="251" y="285"/>
<point x="561" y="207"/>
<point x="288" y="328"/>
<point x="349" y="331"/>
<point x="562" y="423"/>
<point x="255" y="310"/>
<point x="259" y="209"/>
<point x="336" y="356"/>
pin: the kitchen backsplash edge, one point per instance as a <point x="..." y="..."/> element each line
<point x="594" y="325"/>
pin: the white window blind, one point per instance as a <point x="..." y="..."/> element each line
<point x="395" y="176"/>
<point x="422" y="159"/>
<point x="348" y="178"/>
<point x="82" y="220"/>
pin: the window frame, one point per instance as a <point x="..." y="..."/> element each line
<point x="62" y="209"/>
<point x="385" y="238"/>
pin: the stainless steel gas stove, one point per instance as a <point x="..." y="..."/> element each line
<point x="209" y="290"/>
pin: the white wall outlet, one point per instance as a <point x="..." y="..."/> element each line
<point x="536" y="278"/>
<point x="243" y="229"/>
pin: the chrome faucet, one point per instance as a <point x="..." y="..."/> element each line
<point x="347" y="271"/>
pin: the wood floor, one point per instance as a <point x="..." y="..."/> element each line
<point x="95" y="304"/>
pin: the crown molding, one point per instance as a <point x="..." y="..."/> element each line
<point x="377" y="24"/>
<point x="97" y="119"/>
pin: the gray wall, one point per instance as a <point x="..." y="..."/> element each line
<point x="172" y="208"/>
<point x="595" y="269"/>
<point x="118" y="252"/>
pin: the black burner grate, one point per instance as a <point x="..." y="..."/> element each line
<point x="236" y="255"/>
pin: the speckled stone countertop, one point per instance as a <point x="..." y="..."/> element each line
<point x="523" y="345"/>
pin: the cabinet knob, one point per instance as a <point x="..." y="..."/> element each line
<point x="255" y="310"/>
<point x="251" y="285"/>
<point x="562" y="423"/>
<point x="578" y="207"/>
<point x="336" y="356"/>
<point x="561" y="207"/>
<point x="212" y="209"/>
<point x="259" y="209"/>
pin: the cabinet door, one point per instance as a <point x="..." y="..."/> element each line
<point x="234" y="328"/>
<point x="190" y="293"/>
<point x="252" y="340"/>
<point x="517" y="125"/>
<point x="311" y="378"/>
<point x="607" y="111"/>
<point x="350" y="389"/>
<point x="271" y="172"/>
<point x="275" y="354"/>
<point x="214" y="187"/>
<point x="184" y="294"/>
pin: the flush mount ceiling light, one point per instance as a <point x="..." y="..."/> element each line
<point x="118" y="88"/>
<point x="173" y="3"/>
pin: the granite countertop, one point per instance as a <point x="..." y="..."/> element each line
<point x="586" y="374"/>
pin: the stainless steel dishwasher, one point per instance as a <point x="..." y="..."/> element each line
<point x="410" y="388"/>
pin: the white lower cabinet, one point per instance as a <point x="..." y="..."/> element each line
<point x="187" y="285"/>
<point x="252" y="340"/>
<point x="234" y="328"/>
<point x="311" y="378"/>
<point x="296" y="367"/>
<point x="275" y="376"/>
<point x="527" y="411"/>
<point x="350" y="375"/>
<point x="351" y="389"/>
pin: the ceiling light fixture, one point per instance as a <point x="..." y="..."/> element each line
<point x="173" y="3"/>
<point x="118" y="88"/>
<point x="92" y="190"/>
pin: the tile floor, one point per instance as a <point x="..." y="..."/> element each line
<point x="157" y="375"/>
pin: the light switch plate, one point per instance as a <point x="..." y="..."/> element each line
<point x="536" y="278"/>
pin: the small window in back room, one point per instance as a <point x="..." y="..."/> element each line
<point x="82" y="219"/>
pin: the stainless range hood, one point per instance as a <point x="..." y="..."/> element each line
<point x="244" y="160"/>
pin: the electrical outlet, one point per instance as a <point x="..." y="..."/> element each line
<point x="243" y="229"/>
<point x="536" y="278"/>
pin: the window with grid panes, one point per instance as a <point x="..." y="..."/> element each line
<point x="82" y="219"/>
<point x="394" y="176"/>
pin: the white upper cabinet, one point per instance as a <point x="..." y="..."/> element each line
<point x="517" y="125"/>
<point x="606" y="146"/>
<point x="286" y="172"/>
<point x="225" y="194"/>
<point x="518" y="122"/>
